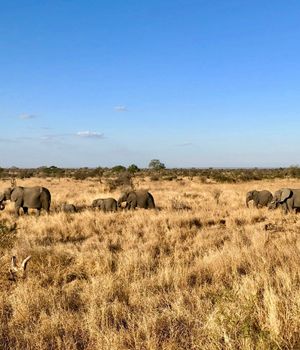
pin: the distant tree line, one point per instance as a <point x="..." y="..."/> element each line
<point x="155" y="171"/>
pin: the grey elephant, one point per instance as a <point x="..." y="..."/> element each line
<point x="137" y="199"/>
<point x="68" y="208"/>
<point x="27" y="197"/>
<point x="259" y="198"/>
<point x="288" y="198"/>
<point x="105" y="204"/>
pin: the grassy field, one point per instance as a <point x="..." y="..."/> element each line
<point x="201" y="272"/>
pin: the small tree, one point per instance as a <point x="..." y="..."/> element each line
<point x="133" y="168"/>
<point x="156" y="164"/>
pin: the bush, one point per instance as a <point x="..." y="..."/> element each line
<point x="80" y="174"/>
<point x="133" y="168"/>
<point x="123" y="180"/>
<point x="118" y="169"/>
<point x="177" y="204"/>
<point x="294" y="171"/>
<point x="154" y="178"/>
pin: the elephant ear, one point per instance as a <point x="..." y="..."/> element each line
<point x="255" y="194"/>
<point x="7" y="193"/>
<point x="15" y="193"/>
<point x="285" y="194"/>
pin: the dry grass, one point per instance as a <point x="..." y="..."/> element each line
<point x="204" y="272"/>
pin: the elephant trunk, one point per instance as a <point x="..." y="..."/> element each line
<point x="2" y="205"/>
<point x="122" y="198"/>
<point x="120" y="201"/>
<point x="273" y="205"/>
<point x="247" y="202"/>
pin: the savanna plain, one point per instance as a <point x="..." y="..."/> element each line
<point x="202" y="271"/>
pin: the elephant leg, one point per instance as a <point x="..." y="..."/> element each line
<point x="18" y="205"/>
<point x="25" y="210"/>
<point x="133" y="204"/>
<point x="290" y="207"/>
<point x="38" y="212"/>
<point x="284" y="208"/>
<point x="17" y="209"/>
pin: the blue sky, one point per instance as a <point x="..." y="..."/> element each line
<point x="194" y="83"/>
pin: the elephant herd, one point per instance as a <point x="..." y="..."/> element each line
<point x="287" y="198"/>
<point x="40" y="198"/>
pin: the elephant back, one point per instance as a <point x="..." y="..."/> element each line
<point x="144" y="199"/>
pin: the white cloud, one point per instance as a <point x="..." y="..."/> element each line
<point x="90" y="134"/>
<point x="120" y="109"/>
<point x="27" y="116"/>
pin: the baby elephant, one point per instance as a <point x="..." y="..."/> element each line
<point x="259" y="198"/>
<point x="105" y="204"/>
<point x="68" y="208"/>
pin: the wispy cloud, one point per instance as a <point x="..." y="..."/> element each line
<point x="90" y="134"/>
<point x="54" y="138"/>
<point x="27" y="116"/>
<point x="185" y="144"/>
<point x="120" y="109"/>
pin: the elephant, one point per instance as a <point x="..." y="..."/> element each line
<point x="137" y="199"/>
<point x="68" y="208"/>
<point x="105" y="204"/>
<point x="288" y="198"/>
<point x="27" y="197"/>
<point x="260" y="198"/>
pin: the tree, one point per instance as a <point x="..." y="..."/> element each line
<point x="118" y="169"/>
<point x="156" y="164"/>
<point x="133" y="168"/>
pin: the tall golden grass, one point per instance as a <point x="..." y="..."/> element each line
<point x="201" y="272"/>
